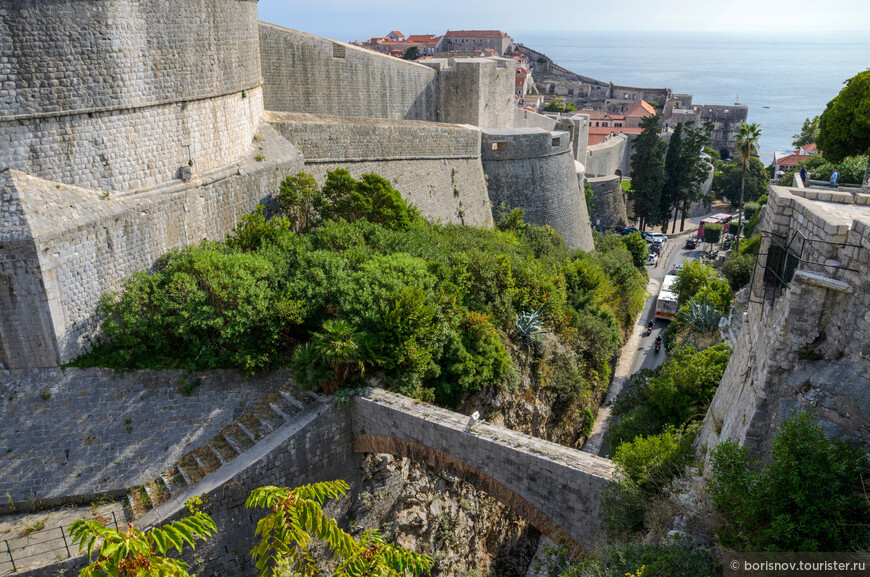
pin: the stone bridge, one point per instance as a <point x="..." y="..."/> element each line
<point x="557" y="489"/>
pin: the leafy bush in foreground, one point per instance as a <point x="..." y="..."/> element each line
<point x="676" y="558"/>
<point x="806" y="499"/>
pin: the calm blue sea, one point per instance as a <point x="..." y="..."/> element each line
<point x="795" y="76"/>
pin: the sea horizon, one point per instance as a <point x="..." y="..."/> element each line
<point x="783" y="78"/>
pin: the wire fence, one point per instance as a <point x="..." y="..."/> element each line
<point x="50" y="545"/>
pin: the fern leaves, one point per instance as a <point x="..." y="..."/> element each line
<point x="132" y="553"/>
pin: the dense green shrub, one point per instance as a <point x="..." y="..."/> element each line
<point x="692" y="278"/>
<point x="373" y="198"/>
<point x="678" y="557"/>
<point x="638" y="248"/>
<point x="367" y="288"/>
<point x="738" y="269"/>
<point x="674" y="394"/>
<point x="806" y="499"/>
<point x="646" y="465"/>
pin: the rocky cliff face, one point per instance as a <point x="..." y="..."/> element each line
<point x="464" y="530"/>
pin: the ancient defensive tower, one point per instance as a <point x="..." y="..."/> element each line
<point x="534" y="169"/>
<point x="127" y="128"/>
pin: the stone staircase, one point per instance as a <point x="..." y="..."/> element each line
<point x="271" y="412"/>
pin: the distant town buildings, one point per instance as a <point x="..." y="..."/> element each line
<point x="483" y="43"/>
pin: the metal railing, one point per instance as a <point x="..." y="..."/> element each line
<point x="782" y="260"/>
<point x="53" y="544"/>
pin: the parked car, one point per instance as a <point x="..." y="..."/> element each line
<point x="629" y="230"/>
<point x="652" y="260"/>
<point x="657" y="237"/>
<point x="691" y="243"/>
<point x="655" y="247"/>
<point x="676" y="269"/>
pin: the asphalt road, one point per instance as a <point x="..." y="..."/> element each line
<point x="674" y="253"/>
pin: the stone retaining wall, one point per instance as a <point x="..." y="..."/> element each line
<point x="435" y="166"/>
<point x="804" y="347"/>
<point x="66" y="246"/>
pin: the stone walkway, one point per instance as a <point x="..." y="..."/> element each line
<point x="37" y="539"/>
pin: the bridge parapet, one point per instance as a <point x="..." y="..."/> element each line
<point x="557" y="489"/>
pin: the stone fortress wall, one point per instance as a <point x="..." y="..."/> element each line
<point x="802" y="347"/>
<point x="175" y="150"/>
<point x="306" y="73"/>
<point x="434" y="165"/>
<point x="133" y="92"/>
<point x="140" y="135"/>
<point x="534" y="169"/>
<point x="609" y="200"/>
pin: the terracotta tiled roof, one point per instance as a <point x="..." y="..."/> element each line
<point x="475" y="34"/>
<point x="640" y="109"/>
<point x="792" y="159"/>
<point x="420" y="37"/>
<point x="617" y="116"/>
<point x="396" y="33"/>
<point x="810" y="147"/>
<point x="596" y="139"/>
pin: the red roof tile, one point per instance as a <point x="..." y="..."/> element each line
<point x="792" y="159"/>
<point x="397" y="33"/>
<point x="596" y="139"/>
<point x="810" y="147"/>
<point x="419" y="37"/>
<point x="640" y="109"/>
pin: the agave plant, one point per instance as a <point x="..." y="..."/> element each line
<point x="701" y="316"/>
<point x="529" y="324"/>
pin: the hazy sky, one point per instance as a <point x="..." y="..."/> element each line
<point x="348" y="20"/>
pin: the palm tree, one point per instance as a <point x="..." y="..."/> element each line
<point x="747" y="145"/>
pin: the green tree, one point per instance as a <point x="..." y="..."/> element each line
<point x="647" y="172"/>
<point x="809" y="132"/>
<point x="747" y="146"/>
<point x="692" y="278"/>
<point x="844" y="128"/>
<point x="712" y="232"/>
<point x="695" y="167"/>
<point x="738" y="269"/>
<point x="674" y="178"/>
<point x="754" y="181"/>
<point x="296" y="198"/>
<point x="805" y="499"/>
<point x="558" y="104"/>
<point x="372" y="198"/>
<point x="638" y="248"/>
<point x="296" y="519"/>
<point x="132" y="553"/>
<point x="411" y="53"/>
